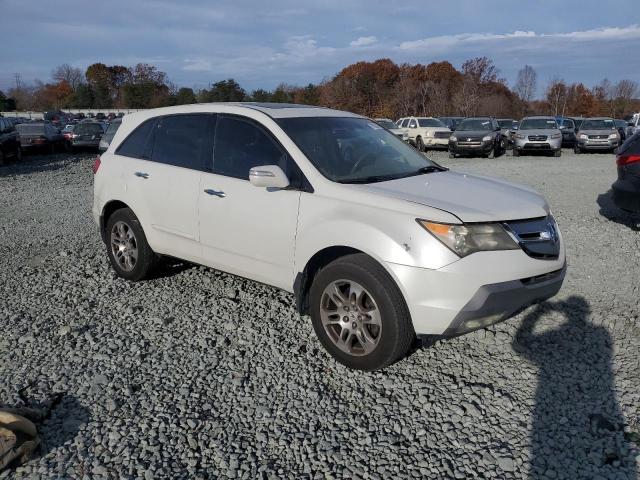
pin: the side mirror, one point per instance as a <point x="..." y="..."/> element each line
<point x="268" y="176"/>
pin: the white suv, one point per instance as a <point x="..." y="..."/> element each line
<point x="425" y="132"/>
<point x="378" y="245"/>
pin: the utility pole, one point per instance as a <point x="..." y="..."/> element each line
<point x="18" y="81"/>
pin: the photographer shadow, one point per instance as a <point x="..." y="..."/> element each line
<point x="577" y="425"/>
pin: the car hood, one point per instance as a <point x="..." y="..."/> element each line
<point x="396" y="131"/>
<point x="471" y="198"/>
<point x="539" y="131"/>
<point x="471" y="133"/>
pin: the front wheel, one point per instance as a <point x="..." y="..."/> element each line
<point x="359" y="314"/>
<point x="419" y="144"/>
<point x="130" y="254"/>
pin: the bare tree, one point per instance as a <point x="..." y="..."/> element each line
<point x="557" y="96"/>
<point x="526" y="83"/>
<point x="623" y="92"/>
<point x="66" y="73"/>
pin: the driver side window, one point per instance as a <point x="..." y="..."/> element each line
<point x="241" y="145"/>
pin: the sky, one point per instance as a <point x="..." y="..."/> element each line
<point x="264" y="43"/>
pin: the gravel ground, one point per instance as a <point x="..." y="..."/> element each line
<point x="200" y="374"/>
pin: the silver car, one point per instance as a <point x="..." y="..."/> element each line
<point x="539" y="134"/>
<point x="597" y="133"/>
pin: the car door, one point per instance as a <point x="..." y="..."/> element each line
<point x="164" y="180"/>
<point x="247" y="230"/>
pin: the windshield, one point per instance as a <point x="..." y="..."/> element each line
<point x="24" y="129"/>
<point x="88" y="128"/>
<point x="386" y="124"/>
<point x="597" y="124"/>
<point x="355" y="150"/>
<point x="474" y="124"/>
<point x="538" y="124"/>
<point x="430" y="122"/>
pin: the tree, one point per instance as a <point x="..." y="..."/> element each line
<point x="185" y="96"/>
<point x="260" y="95"/>
<point x="82" y="97"/>
<point x="223" y="91"/>
<point x="66" y="73"/>
<point x="557" y="96"/>
<point x="526" y="83"/>
<point x="623" y="92"/>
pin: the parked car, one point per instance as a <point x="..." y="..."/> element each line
<point x="568" y="129"/>
<point x="393" y="128"/>
<point x="621" y="126"/>
<point x="9" y="141"/>
<point x="597" y="133"/>
<point x="478" y="136"/>
<point x="634" y="125"/>
<point x="508" y="126"/>
<point x="108" y="135"/>
<point x="539" y="134"/>
<point x="376" y="247"/>
<point x="111" y="116"/>
<point x="86" y="135"/>
<point x="451" y="122"/>
<point x="40" y="135"/>
<point x="100" y="116"/>
<point x="626" y="189"/>
<point x="426" y="133"/>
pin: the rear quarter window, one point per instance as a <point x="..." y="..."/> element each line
<point x="137" y="144"/>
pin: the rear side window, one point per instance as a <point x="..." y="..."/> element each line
<point x="241" y="145"/>
<point x="182" y="140"/>
<point x="136" y="144"/>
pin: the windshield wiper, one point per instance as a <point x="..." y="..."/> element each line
<point x="385" y="178"/>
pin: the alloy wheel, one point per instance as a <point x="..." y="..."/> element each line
<point x="124" y="246"/>
<point x="350" y="317"/>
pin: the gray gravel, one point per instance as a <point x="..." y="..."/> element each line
<point x="200" y="374"/>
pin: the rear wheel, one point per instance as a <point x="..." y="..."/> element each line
<point x="130" y="254"/>
<point x="359" y="314"/>
<point x="419" y="144"/>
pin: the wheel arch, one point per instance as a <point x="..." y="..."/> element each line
<point x="109" y="208"/>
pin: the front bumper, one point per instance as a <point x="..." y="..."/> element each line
<point x="436" y="142"/>
<point x="461" y="149"/>
<point x="476" y="291"/>
<point x="548" y="145"/>
<point x="597" y="144"/>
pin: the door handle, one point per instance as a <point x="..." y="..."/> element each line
<point x="142" y="175"/>
<point x="216" y="193"/>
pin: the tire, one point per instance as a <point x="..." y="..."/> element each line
<point x="388" y="335"/>
<point x="121" y="226"/>
<point x="19" y="154"/>
<point x="452" y="155"/>
<point x="515" y="152"/>
<point x="577" y="150"/>
<point x="2" y="157"/>
<point x="557" y="153"/>
<point x="419" y="144"/>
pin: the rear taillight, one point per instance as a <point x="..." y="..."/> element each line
<point x="96" y="165"/>
<point x="623" y="160"/>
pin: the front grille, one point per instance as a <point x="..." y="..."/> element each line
<point x="537" y="138"/>
<point x="441" y="134"/>
<point x="598" y="137"/>
<point x="538" y="237"/>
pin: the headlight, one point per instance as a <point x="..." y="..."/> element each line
<point x="429" y="133"/>
<point x="464" y="240"/>
<point x="613" y="136"/>
<point x="487" y="138"/>
<point x="453" y="138"/>
<point x="556" y="135"/>
<point x="582" y="136"/>
<point x="519" y="136"/>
